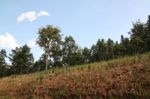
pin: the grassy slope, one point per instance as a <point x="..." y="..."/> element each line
<point x="127" y="77"/>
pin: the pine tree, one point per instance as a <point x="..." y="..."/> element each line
<point x="22" y="60"/>
<point x="3" y="63"/>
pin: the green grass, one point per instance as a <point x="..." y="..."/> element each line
<point x="127" y="77"/>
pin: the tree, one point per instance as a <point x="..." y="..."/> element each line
<point x="137" y="36"/>
<point x="2" y="63"/>
<point x="86" y="55"/>
<point x="147" y="34"/>
<point x="77" y="57"/>
<point x="69" y="51"/>
<point x="93" y="57"/>
<point x="110" y="49"/>
<point x="49" y="39"/>
<point x="99" y="50"/>
<point x="39" y="64"/>
<point x="21" y="59"/>
<point x="125" y="45"/>
<point x="117" y="50"/>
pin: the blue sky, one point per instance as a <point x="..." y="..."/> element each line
<point x="85" y="20"/>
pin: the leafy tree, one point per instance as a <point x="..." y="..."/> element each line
<point x="147" y="34"/>
<point x="77" y="57"/>
<point x="93" y="53"/>
<point x="137" y="30"/>
<point x="99" y="50"/>
<point x="3" y="63"/>
<point x="21" y="59"/>
<point x="125" y="46"/>
<point x="110" y="49"/>
<point x="137" y="36"/>
<point x="69" y="51"/>
<point x="39" y="65"/>
<point x="86" y="55"/>
<point x="49" y="39"/>
<point x="121" y="46"/>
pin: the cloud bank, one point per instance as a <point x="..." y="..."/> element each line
<point x="8" y="41"/>
<point x="31" y="16"/>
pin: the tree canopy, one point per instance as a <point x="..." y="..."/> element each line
<point x="65" y="52"/>
<point x="22" y="60"/>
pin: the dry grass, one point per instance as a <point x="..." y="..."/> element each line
<point x="128" y="77"/>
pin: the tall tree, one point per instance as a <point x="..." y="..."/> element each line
<point x="49" y="39"/>
<point x="147" y="34"/>
<point x="2" y="63"/>
<point x="137" y="36"/>
<point x="69" y="49"/>
<point x="100" y="50"/>
<point x="110" y="49"/>
<point x="86" y="55"/>
<point x="21" y="59"/>
<point x="93" y="57"/>
<point x="39" y="65"/>
<point x="117" y="50"/>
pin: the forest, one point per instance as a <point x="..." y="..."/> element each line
<point x="65" y="52"/>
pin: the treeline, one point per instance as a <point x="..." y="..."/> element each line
<point x="66" y="52"/>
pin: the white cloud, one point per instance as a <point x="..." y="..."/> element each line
<point x="43" y="13"/>
<point x="8" y="41"/>
<point x="31" y="16"/>
<point x="32" y="43"/>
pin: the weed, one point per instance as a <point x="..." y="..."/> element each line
<point x="124" y="78"/>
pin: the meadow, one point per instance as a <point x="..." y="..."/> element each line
<point x="125" y="78"/>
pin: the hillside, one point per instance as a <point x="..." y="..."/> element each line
<point x="127" y="77"/>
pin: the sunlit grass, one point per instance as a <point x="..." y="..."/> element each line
<point x="128" y="75"/>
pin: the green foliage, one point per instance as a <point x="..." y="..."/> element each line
<point x="71" y="54"/>
<point x="39" y="64"/>
<point x="59" y="53"/>
<point x="3" y="65"/>
<point x="86" y="55"/>
<point x="49" y="39"/>
<point x="22" y="60"/>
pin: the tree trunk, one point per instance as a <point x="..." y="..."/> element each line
<point x="46" y="61"/>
